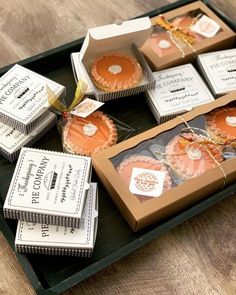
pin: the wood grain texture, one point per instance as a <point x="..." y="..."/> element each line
<point x="31" y="27"/>
<point x="12" y="278"/>
<point x="227" y="7"/>
<point x="198" y="257"/>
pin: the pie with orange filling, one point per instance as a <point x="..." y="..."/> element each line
<point x="162" y="44"/>
<point x="221" y="125"/>
<point x="116" y="71"/>
<point x="87" y="136"/>
<point x="189" y="155"/>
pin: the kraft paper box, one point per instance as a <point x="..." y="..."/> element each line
<point x="122" y="37"/>
<point x="164" y="49"/>
<point x="23" y="98"/>
<point x="169" y="167"/>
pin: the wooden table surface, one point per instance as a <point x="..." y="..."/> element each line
<point x="197" y="257"/>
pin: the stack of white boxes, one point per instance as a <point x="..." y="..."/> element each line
<point x="56" y="205"/>
<point x="24" y="109"/>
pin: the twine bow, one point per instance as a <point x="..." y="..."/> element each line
<point x="176" y="34"/>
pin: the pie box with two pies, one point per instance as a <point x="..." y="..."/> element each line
<point x="110" y="61"/>
<point x="167" y="48"/>
<point x="172" y="166"/>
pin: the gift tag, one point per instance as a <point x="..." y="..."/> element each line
<point x="86" y="107"/>
<point x="206" y="27"/>
<point x="147" y="182"/>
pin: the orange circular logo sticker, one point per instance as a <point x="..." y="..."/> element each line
<point x="146" y="182"/>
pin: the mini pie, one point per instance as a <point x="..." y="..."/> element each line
<point x="136" y="161"/>
<point x="162" y="44"/>
<point x="189" y="158"/>
<point x="87" y="136"/>
<point x="116" y="71"/>
<point x="185" y="23"/>
<point x="221" y="125"/>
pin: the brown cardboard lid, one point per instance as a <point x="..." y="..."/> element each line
<point x="117" y="35"/>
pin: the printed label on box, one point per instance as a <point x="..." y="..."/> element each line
<point x="147" y="182"/>
<point x="23" y="93"/>
<point x="178" y="89"/>
<point x="31" y="233"/>
<point x="220" y="69"/>
<point x="48" y="182"/>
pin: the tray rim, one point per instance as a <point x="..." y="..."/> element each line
<point x="150" y="235"/>
<point x="119" y="253"/>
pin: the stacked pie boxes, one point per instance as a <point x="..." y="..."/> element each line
<point x="56" y="205"/>
<point x="24" y="109"/>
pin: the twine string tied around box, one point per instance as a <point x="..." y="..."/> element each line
<point x="177" y="34"/>
<point x="204" y="141"/>
<point x="200" y="139"/>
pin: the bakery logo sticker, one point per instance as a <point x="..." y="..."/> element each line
<point x="86" y="107"/>
<point x="147" y="182"/>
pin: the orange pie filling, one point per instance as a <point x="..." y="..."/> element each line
<point x="86" y="136"/>
<point x="221" y="125"/>
<point x="115" y="71"/>
<point x="189" y="156"/>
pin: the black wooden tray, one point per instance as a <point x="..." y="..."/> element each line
<point x="52" y="274"/>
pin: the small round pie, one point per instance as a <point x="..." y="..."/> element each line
<point x="189" y="158"/>
<point x="87" y="136"/>
<point x="162" y="44"/>
<point x="145" y="180"/>
<point x="116" y="71"/>
<point x="184" y="24"/>
<point x="221" y="125"/>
